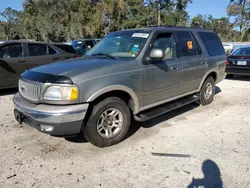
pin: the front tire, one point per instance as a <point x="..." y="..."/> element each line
<point x="207" y="91"/>
<point x="108" y="123"/>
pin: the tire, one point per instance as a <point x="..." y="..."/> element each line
<point x="100" y="119"/>
<point x="206" y="99"/>
<point x="229" y="76"/>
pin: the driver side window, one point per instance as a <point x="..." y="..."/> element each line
<point x="166" y="42"/>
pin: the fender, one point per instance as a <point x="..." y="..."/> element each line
<point x="206" y="75"/>
<point x="117" y="88"/>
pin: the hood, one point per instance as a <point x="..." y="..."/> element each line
<point x="84" y="68"/>
<point x="73" y="66"/>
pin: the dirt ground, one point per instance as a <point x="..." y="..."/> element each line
<point x="188" y="147"/>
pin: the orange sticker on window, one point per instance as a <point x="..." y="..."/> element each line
<point x="190" y="45"/>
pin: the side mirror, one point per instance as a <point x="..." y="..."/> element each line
<point x="156" y="54"/>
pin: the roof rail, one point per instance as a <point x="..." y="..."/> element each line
<point x="175" y="26"/>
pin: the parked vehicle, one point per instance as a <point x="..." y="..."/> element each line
<point x="18" y="56"/>
<point x="137" y="73"/>
<point x="81" y="46"/>
<point x="66" y="47"/>
<point x="238" y="63"/>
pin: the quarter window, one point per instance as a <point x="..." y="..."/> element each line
<point x="51" y="51"/>
<point x="11" y="51"/>
<point x="212" y="43"/>
<point x="37" y="49"/>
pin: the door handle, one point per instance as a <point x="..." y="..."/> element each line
<point x="203" y="62"/>
<point x="21" y="61"/>
<point x="174" y="68"/>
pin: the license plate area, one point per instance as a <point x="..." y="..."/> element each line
<point x="18" y="116"/>
<point x="242" y="63"/>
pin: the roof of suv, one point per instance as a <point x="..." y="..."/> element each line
<point x="154" y="28"/>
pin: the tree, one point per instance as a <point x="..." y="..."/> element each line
<point x="10" y="24"/>
<point x="240" y="10"/>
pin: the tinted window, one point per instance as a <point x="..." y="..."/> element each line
<point x="37" y="49"/>
<point x="78" y="44"/>
<point x="11" y="51"/>
<point x="51" y="51"/>
<point x="66" y="48"/>
<point x="197" y="45"/>
<point x="166" y="42"/>
<point x="212" y="43"/>
<point x="187" y="46"/>
<point x="89" y="43"/>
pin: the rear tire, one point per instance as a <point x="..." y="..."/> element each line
<point x="207" y="92"/>
<point x="108" y="123"/>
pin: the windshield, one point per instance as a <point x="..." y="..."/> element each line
<point x="123" y="44"/>
<point x="242" y="51"/>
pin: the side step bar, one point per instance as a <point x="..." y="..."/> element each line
<point x="156" y="111"/>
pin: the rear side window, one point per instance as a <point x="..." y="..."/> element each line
<point x="186" y="44"/>
<point x="11" y="51"/>
<point x="51" y="51"/>
<point x="212" y="43"/>
<point x="66" y="48"/>
<point x="37" y="49"/>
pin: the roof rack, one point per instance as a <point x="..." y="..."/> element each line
<point x="175" y="26"/>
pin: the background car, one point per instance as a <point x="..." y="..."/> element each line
<point x="238" y="63"/>
<point x="18" y="56"/>
<point x="81" y="46"/>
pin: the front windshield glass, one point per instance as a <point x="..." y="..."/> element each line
<point x="123" y="44"/>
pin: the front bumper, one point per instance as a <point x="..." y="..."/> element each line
<point x="238" y="70"/>
<point x="51" y="119"/>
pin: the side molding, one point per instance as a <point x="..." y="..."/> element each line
<point x="117" y="88"/>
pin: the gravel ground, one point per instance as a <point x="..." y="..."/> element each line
<point x="188" y="147"/>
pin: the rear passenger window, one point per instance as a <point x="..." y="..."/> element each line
<point x="51" y="51"/>
<point x="187" y="45"/>
<point x="197" y="45"/>
<point x="37" y="49"/>
<point x="212" y="43"/>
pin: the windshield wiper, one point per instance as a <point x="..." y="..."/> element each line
<point x="106" y="55"/>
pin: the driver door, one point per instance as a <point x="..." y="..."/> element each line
<point x="162" y="80"/>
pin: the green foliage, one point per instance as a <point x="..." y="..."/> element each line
<point x="64" y="20"/>
<point x="240" y="10"/>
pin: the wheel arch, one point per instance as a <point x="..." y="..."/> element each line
<point x="212" y="73"/>
<point x="117" y="90"/>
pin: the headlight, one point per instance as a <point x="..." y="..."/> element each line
<point x="61" y="93"/>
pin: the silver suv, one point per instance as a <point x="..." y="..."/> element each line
<point x="137" y="73"/>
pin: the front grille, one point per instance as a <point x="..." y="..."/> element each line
<point x="29" y="90"/>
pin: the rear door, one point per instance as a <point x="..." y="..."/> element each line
<point x="193" y="61"/>
<point x="40" y="54"/>
<point x="11" y="64"/>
